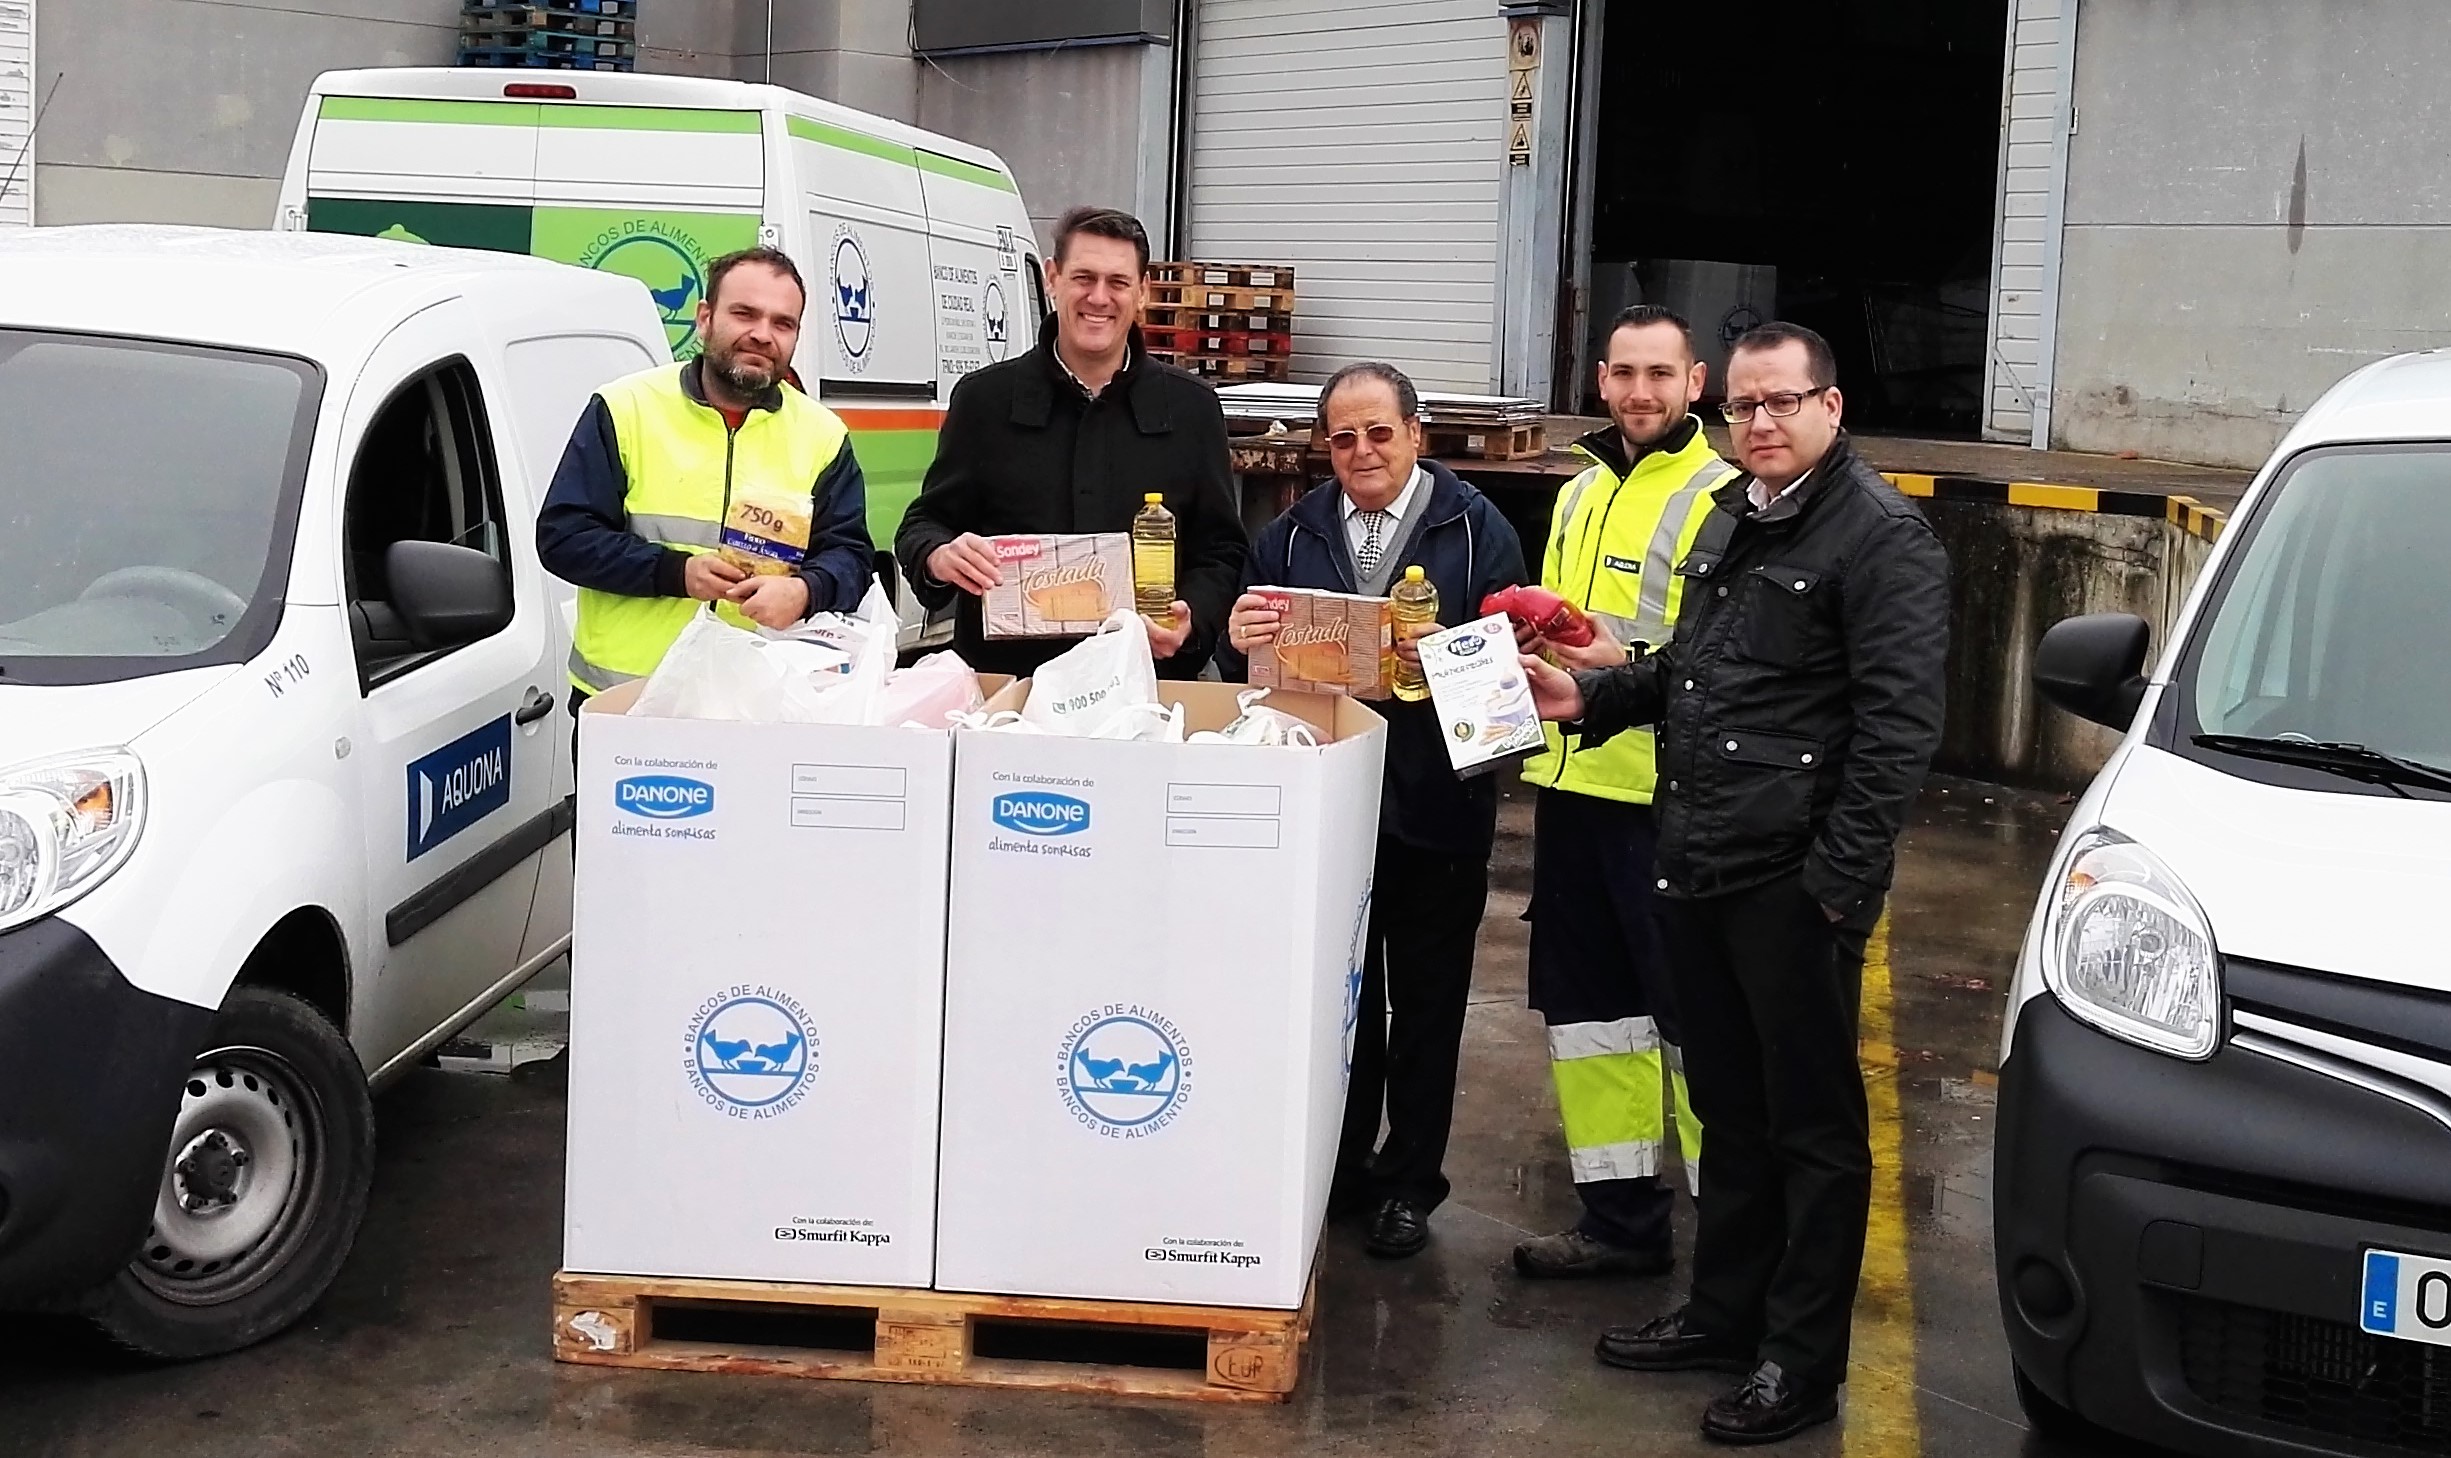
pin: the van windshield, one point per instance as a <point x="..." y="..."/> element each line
<point x="2334" y="626"/>
<point x="148" y="494"/>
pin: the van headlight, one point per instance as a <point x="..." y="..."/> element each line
<point x="65" y="825"/>
<point x="2130" y="952"/>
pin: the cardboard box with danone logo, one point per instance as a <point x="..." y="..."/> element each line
<point x="1142" y="1098"/>
<point x="757" y="997"/>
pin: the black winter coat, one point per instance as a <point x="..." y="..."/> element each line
<point x="1468" y="551"/>
<point x="1800" y="701"/>
<point x="1023" y="449"/>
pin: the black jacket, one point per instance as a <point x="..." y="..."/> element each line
<point x="1799" y="703"/>
<point x="1467" y="549"/>
<point x="1025" y="450"/>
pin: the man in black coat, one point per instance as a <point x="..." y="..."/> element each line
<point x="1798" y="707"/>
<point x="1071" y="437"/>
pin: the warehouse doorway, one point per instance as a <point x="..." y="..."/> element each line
<point x="1835" y="164"/>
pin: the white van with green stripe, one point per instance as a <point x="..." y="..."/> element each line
<point x="918" y="252"/>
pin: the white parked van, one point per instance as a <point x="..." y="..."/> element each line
<point x="285" y="788"/>
<point x="917" y="251"/>
<point x="2222" y="1189"/>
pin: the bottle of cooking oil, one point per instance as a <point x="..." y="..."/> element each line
<point x="1153" y="558"/>
<point x="1415" y="613"/>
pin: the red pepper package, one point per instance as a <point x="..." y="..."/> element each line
<point x="1544" y="612"/>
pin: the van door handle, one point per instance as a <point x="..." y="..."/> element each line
<point x="538" y="705"/>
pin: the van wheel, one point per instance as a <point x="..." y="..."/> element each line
<point x="262" y="1190"/>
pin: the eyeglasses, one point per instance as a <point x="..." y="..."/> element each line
<point x="1780" y="405"/>
<point x="1345" y="440"/>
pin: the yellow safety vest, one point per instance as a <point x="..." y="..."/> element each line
<point x="1613" y="548"/>
<point x="681" y="459"/>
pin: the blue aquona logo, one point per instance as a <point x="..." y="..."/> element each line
<point x="1038" y="813"/>
<point x="663" y="797"/>
<point x="1125" y="1071"/>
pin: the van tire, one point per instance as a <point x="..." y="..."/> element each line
<point x="264" y="1185"/>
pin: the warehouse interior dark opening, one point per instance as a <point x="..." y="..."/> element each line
<point x="1835" y="165"/>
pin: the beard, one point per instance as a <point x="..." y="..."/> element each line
<point x="1649" y="430"/>
<point x="742" y="377"/>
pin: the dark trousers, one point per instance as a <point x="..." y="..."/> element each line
<point x="1596" y="957"/>
<point x="1425" y="915"/>
<point x="1769" y="991"/>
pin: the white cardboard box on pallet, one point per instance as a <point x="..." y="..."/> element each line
<point x="757" y="998"/>
<point x="1151" y="967"/>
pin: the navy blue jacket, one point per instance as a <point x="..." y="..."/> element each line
<point x="583" y="533"/>
<point x="1468" y="551"/>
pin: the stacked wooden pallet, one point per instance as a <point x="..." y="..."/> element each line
<point x="1222" y="321"/>
<point x="1466" y="427"/>
<point x="581" y="35"/>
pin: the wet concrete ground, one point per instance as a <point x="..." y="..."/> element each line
<point x="435" y="1340"/>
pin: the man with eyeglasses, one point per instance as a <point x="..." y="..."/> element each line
<point x="1392" y="510"/>
<point x="1598" y="975"/>
<point x="1069" y="438"/>
<point x="1798" y="706"/>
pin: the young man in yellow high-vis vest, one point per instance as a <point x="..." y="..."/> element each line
<point x="671" y="465"/>
<point x="1598" y="975"/>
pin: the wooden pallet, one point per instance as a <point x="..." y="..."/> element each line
<point x="1218" y="299"/>
<point x="530" y="20"/>
<point x="553" y="41"/>
<point x="1238" y="368"/>
<point x="544" y="60"/>
<point x="571" y="9"/>
<point x="1184" y="316"/>
<point x="1486" y="442"/>
<point x="1225" y="275"/>
<point x="875" y="1334"/>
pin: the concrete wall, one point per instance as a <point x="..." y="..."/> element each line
<point x="1086" y="125"/>
<point x="2255" y="207"/>
<point x="857" y="52"/>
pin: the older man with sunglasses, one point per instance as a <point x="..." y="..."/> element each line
<point x="1392" y="510"/>
<point x="1798" y="706"/>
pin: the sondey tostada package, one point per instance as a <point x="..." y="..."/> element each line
<point x="1057" y="586"/>
<point x="1327" y="642"/>
<point x="1483" y="700"/>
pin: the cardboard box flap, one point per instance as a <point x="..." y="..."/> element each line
<point x="619" y="700"/>
<point x="1212" y="706"/>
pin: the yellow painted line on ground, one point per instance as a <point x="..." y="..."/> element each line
<point x="2058" y="498"/>
<point x="1881" y="1420"/>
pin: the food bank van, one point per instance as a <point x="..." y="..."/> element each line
<point x="918" y="254"/>
<point x="2222" y="1184"/>
<point x="285" y="780"/>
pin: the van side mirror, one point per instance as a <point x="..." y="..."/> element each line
<point x="2094" y="666"/>
<point x="447" y="596"/>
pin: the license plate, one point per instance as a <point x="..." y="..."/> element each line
<point x="2407" y="1296"/>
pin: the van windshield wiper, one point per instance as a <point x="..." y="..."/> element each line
<point x="2352" y="761"/>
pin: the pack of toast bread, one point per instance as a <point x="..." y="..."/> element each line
<point x="1327" y="642"/>
<point x="1057" y="586"/>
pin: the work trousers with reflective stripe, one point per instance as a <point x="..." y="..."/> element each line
<point x="1599" y="978"/>
<point x="1425" y="917"/>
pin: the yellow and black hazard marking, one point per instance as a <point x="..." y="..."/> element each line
<point x="2184" y="512"/>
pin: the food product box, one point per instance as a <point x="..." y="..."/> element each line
<point x="1327" y="642"/>
<point x="1057" y="586"/>
<point x="1477" y="684"/>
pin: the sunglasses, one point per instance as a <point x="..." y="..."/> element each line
<point x="1345" y="440"/>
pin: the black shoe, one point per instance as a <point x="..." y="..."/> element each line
<point x="1667" y="1344"/>
<point x="1400" y="1229"/>
<point x="1570" y="1254"/>
<point x="1349" y="1197"/>
<point x="1768" y="1407"/>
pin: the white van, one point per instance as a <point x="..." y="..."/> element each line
<point x="919" y="256"/>
<point x="285" y="785"/>
<point x="2222" y="1182"/>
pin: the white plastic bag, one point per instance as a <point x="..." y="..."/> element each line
<point x="1155" y="723"/>
<point x="933" y="693"/>
<point x="714" y="671"/>
<point x="1081" y="688"/>
<point x="1261" y="726"/>
<point x="848" y="632"/>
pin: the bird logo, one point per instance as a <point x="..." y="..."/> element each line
<point x="855" y="320"/>
<point x="752" y="1051"/>
<point x="995" y="321"/>
<point x="673" y="278"/>
<point x="1126" y="1070"/>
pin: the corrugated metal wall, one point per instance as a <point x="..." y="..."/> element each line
<point x="2027" y="182"/>
<point x="1361" y="143"/>
<point x="17" y="101"/>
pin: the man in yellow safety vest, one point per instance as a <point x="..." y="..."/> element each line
<point x="714" y="481"/>
<point x="1598" y="975"/>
